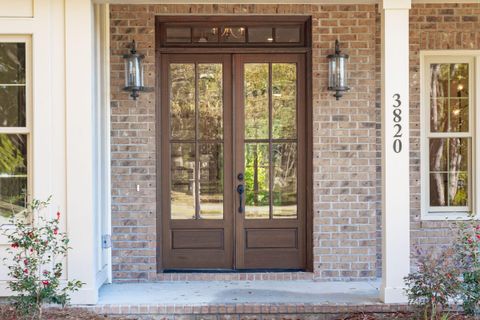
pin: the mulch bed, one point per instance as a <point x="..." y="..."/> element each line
<point x="8" y="313"/>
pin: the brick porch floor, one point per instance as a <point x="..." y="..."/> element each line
<point x="300" y="299"/>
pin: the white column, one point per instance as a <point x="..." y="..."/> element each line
<point x="395" y="150"/>
<point x="80" y="151"/>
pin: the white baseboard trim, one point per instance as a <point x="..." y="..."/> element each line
<point x="393" y="295"/>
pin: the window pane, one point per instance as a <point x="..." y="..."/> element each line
<point x="438" y="189"/>
<point x="438" y="115"/>
<point x="182" y="101"/>
<point x="458" y="189"/>
<point x="260" y="34"/>
<point x="205" y="35"/>
<point x="12" y="63"/>
<point x="439" y="80"/>
<point x="459" y="115"/>
<point x="13" y="175"/>
<point x="179" y="35"/>
<point x="284" y="180"/>
<point x="210" y="96"/>
<point x="458" y="154"/>
<point x="211" y="180"/>
<point x="459" y="80"/>
<point x="284" y="100"/>
<point x="183" y="186"/>
<point x="12" y="106"/>
<point x="233" y="34"/>
<point x="438" y="154"/>
<point x="256" y="101"/>
<point x="257" y="181"/>
<point x="287" y="34"/>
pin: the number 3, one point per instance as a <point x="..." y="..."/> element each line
<point x="396" y="96"/>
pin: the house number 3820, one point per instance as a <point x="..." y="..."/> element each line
<point x="397" y="127"/>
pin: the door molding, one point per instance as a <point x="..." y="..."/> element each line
<point x="161" y="89"/>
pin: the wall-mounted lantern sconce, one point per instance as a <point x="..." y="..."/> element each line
<point x="337" y="72"/>
<point x="134" y="72"/>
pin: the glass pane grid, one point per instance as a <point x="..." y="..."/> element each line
<point x="449" y="97"/>
<point x="197" y="100"/>
<point x="449" y="172"/>
<point x="270" y="90"/>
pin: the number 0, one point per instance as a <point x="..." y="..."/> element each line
<point x="397" y="145"/>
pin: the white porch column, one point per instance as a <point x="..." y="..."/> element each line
<point x="82" y="264"/>
<point x="395" y="150"/>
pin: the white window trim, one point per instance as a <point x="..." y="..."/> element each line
<point x="449" y="56"/>
<point x="28" y="129"/>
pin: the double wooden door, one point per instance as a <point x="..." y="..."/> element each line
<point x="232" y="161"/>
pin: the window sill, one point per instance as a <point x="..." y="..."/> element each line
<point x="448" y="216"/>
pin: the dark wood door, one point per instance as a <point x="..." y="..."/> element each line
<point x="270" y="159"/>
<point x="196" y="201"/>
<point x="233" y="122"/>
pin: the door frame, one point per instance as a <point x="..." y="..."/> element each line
<point x="161" y="84"/>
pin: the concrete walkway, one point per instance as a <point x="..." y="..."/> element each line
<point x="196" y="293"/>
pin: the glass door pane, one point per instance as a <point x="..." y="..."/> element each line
<point x="270" y="143"/>
<point x="196" y="140"/>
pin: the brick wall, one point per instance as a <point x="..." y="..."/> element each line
<point x="345" y="147"/>
<point x="433" y="27"/>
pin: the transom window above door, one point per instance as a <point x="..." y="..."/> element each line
<point x="234" y="31"/>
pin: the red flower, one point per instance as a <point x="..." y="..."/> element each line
<point x="25" y="261"/>
<point x="31" y="249"/>
<point x="14" y="245"/>
<point x="477" y="227"/>
<point x="470" y="241"/>
<point x="45" y="272"/>
<point x="478" y="236"/>
<point x="55" y="231"/>
<point x="25" y="271"/>
<point x="58" y="215"/>
<point x="45" y="282"/>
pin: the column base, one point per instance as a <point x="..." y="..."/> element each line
<point x="393" y="295"/>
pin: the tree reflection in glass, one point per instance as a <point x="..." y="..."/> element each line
<point x="450" y="141"/>
<point x="13" y="175"/>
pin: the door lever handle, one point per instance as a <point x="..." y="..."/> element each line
<point x="240" y="190"/>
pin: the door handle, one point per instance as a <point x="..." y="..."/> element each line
<point x="240" y="190"/>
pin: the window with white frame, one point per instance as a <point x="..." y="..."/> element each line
<point x="15" y="125"/>
<point x="448" y="146"/>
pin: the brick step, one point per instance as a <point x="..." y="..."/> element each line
<point x="247" y="311"/>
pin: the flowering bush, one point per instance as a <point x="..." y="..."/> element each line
<point x="435" y="284"/>
<point x="467" y="250"/>
<point x="36" y="251"/>
<point x="451" y="275"/>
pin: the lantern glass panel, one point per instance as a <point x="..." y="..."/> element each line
<point x="332" y="73"/>
<point x="342" y="80"/>
<point x="133" y="71"/>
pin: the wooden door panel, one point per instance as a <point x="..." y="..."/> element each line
<point x="286" y="238"/>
